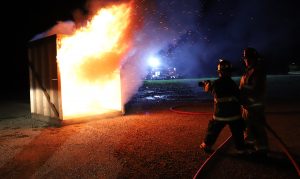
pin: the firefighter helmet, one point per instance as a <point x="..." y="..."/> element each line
<point x="250" y="53"/>
<point x="224" y="66"/>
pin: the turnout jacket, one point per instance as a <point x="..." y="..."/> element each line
<point x="253" y="87"/>
<point x="226" y="99"/>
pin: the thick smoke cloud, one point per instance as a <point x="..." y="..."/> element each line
<point x="194" y="34"/>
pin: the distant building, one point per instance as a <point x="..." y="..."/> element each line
<point x="294" y="68"/>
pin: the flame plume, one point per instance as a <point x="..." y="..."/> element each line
<point x="89" y="63"/>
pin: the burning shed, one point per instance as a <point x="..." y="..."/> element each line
<point x="57" y="93"/>
<point x="74" y="77"/>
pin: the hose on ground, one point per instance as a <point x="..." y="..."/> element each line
<point x="174" y="109"/>
<point x="281" y="144"/>
<point x="284" y="148"/>
<point x="210" y="157"/>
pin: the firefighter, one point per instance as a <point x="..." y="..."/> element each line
<point x="252" y="87"/>
<point x="227" y="109"/>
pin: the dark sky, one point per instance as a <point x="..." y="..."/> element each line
<point x="190" y="34"/>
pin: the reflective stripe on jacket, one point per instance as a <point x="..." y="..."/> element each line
<point x="230" y="118"/>
<point x="252" y="86"/>
<point x="226" y="99"/>
<point x="255" y="103"/>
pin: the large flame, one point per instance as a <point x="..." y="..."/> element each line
<point x="89" y="64"/>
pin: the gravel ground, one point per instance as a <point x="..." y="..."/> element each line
<point x="149" y="141"/>
<point x="154" y="144"/>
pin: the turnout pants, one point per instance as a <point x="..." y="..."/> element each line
<point x="255" y="127"/>
<point x="236" y="128"/>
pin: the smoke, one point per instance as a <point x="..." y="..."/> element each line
<point x="200" y="35"/>
<point x="62" y="27"/>
<point x="171" y="29"/>
<point x="151" y="34"/>
<point x="164" y="23"/>
<point x="193" y="34"/>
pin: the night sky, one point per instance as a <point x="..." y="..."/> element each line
<point x="189" y="34"/>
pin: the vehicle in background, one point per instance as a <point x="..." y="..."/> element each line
<point x="162" y="74"/>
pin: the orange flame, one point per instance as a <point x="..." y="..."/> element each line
<point x="89" y="64"/>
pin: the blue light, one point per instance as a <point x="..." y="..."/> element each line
<point x="154" y="62"/>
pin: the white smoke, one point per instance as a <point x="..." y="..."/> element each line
<point x="146" y="42"/>
<point x="62" y="27"/>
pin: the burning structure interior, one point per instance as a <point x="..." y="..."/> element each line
<point x="59" y="91"/>
<point x="77" y="75"/>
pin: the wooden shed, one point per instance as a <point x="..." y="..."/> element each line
<point x="45" y="84"/>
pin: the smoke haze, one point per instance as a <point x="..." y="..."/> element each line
<point x="192" y="35"/>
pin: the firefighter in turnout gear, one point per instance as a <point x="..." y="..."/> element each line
<point x="252" y="87"/>
<point x="227" y="109"/>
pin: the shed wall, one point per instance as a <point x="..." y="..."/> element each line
<point x="45" y="100"/>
